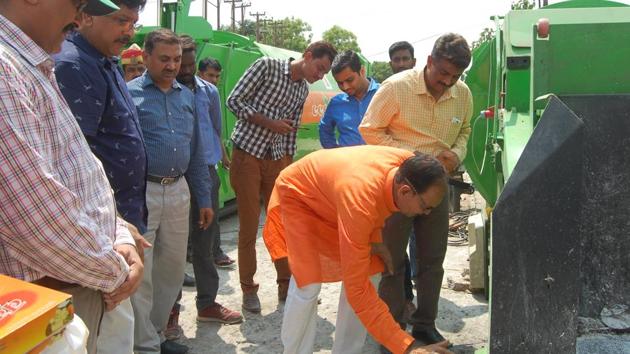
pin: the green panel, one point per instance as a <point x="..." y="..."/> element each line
<point x="582" y="59"/>
<point x="520" y="22"/>
<point x="517" y="90"/>
<point x="517" y="129"/>
<point x="479" y="159"/>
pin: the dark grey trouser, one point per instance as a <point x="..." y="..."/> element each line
<point x="203" y="242"/>
<point x="431" y="239"/>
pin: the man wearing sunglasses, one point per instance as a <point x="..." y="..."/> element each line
<point x="60" y="227"/>
<point x="92" y="83"/>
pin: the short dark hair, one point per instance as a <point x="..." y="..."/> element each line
<point x="322" y="49"/>
<point x="453" y="48"/>
<point x="132" y="4"/>
<point x="160" y="35"/>
<point x="188" y="43"/>
<point x="209" y="62"/>
<point x="402" y="45"/>
<point x="422" y="171"/>
<point x="346" y="59"/>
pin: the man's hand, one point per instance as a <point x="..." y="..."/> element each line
<point x="449" y="160"/>
<point x="141" y="242"/>
<point x="281" y="126"/>
<point x="440" y="348"/>
<point x="383" y="253"/>
<point x="225" y="158"/>
<point x="205" y="217"/>
<point x="134" y="278"/>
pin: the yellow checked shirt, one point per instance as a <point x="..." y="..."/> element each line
<point x="405" y="115"/>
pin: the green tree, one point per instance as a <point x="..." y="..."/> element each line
<point x="248" y="28"/>
<point x="289" y="33"/>
<point x="381" y="70"/>
<point x="341" y="38"/>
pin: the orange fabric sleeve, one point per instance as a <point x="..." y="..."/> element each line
<point x="356" y="226"/>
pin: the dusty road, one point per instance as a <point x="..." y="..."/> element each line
<point x="463" y="317"/>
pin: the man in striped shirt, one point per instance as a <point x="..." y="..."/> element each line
<point x="268" y="102"/>
<point x="58" y="220"/>
<point x="426" y="110"/>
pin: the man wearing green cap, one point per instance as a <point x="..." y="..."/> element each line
<point x="59" y="222"/>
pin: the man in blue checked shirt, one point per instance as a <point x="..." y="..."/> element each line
<point x="345" y="111"/>
<point x="175" y="150"/>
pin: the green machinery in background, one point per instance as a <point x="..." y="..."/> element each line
<point x="550" y="153"/>
<point x="236" y="53"/>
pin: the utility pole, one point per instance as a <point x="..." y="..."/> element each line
<point x="218" y="6"/>
<point x="233" y="2"/>
<point x="264" y="28"/>
<point x="257" y="15"/>
<point x="243" y="6"/>
<point x="277" y="27"/>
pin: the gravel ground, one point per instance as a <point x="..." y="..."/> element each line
<point x="463" y="317"/>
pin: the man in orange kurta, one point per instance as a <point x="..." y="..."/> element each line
<point x="326" y="214"/>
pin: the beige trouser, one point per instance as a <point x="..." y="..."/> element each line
<point x="164" y="263"/>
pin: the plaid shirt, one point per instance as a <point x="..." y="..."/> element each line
<point x="58" y="216"/>
<point x="267" y="88"/>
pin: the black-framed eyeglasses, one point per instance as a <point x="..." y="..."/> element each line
<point x="126" y="23"/>
<point x="423" y="204"/>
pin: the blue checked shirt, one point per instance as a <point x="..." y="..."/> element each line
<point x="344" y="114"/>
<point x="97" y="94"/>
<point x="171" y="134"/>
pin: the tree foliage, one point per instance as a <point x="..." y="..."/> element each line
<point x="289" y="33"/>
<point x="381" y="70"/>
<point x="341" y="38"/>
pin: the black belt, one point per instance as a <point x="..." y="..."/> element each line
<point x="163" y="180"/>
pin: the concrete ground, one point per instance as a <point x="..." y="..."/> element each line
<point x="463" y="317"/>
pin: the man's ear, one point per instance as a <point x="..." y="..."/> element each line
<point x="86" y="20"/>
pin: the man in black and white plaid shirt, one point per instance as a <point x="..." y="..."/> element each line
<point x="268" y="102"/>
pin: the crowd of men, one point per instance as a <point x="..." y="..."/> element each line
<point x="109" y="157"/>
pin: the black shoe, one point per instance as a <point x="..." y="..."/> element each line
<point x="427" y="336"/>
<point x="170" y="347"/>
<point x="189" y="280"/>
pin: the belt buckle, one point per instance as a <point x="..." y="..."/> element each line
<point x="167" y="180"/>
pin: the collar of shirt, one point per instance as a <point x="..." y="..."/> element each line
<point x="147" y="81"/>
<point x="286" y="67"/>
<point x="373" y="86"/>
<point x="23" y="44"/>
<point x="420" y="86"/>
<point x="389" y="190"/>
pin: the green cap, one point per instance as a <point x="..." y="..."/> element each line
<point x="100" y="7"/>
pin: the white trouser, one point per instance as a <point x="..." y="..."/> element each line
<point x="116" y="334"/>
<point x="164" y="263"/>
<point x="299" y="323"/>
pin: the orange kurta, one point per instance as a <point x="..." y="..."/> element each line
<point x="324" y="212"/>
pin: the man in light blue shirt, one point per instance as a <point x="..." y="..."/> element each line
<point x="171" y="130"/>
<point x="345" y="111"/>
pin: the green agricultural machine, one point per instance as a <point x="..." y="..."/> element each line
<point x="550" y="153"/>
<point x="236" y="53"/>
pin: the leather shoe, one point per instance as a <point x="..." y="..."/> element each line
<point x="189" y="280"/>
<point x="427" y="336"/>
<point x="170" y="347"/>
